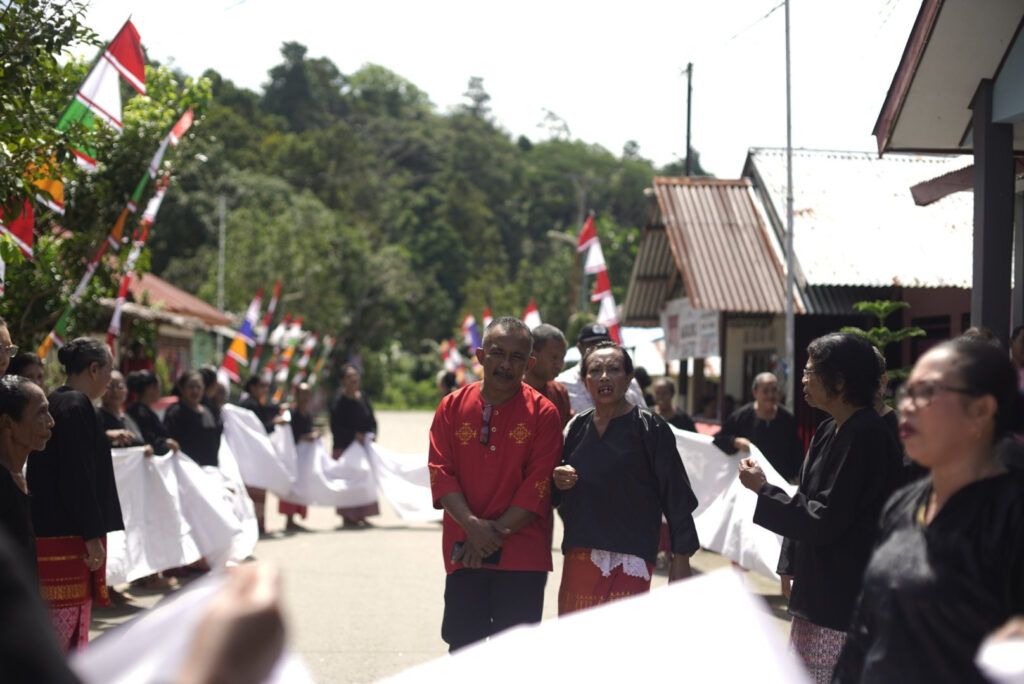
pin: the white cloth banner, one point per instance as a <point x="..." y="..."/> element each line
<point x="631" y="641"/>
<point x="156" y="536"/>
<point x="357" y="477"/>
<point x="725" y="510"/>
<point x="259" y="462"/>
<point x="404" y="480"/>
<point x="153" y="647"/>
<point x="174" y="514"/>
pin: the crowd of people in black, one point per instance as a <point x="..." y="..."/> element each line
<point x="903" y="540"/>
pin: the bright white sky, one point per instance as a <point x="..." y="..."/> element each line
<point x="612" y="70"/>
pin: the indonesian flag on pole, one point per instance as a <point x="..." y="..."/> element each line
<point x="99" y="97"/>
<point x="153" y="206"/>
<point x="595" y="259"/>
<point x="307" y="351"/>
<point x="264" y="328"/>
<point x="172" y="139"/>
<point x="608" y="316"/>
<point x="20" y="229"/>
<point x="531" y="317"/>
<point x="470" y="333"/>
<point x="275" y="340"/>
<point x="487" y="317"/>
<point x="588" y="234"/>
<point x="602" y="287"/>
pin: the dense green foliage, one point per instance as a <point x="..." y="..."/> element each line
<point x="386" y="219"/>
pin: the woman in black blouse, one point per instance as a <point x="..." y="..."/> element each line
<point x="352" y="419"/>
<point x="191" y="424"/>
<point x="74" y="496"/>
<point x="948" y="567"/>
<point x="620" y="472"/>
<point x="146" y="387"/>
<point x="25" y="425"/>
<point x="121" y="429"/>
<point x="830" y="524"/>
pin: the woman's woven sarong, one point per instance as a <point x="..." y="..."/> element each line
<point x="818" y="648"/>
<point x="584" y="585"/>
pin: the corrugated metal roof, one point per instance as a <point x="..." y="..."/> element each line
<point x="838" y="300"/>
<point x="855" y="221"/>
<point x="165" y="296"/>
<point x="653" y="279"/>
<point x="721" y="244"/>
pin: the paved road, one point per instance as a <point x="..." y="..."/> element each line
<point x="366" y="604"/>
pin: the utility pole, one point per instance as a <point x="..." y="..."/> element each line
<point x="220" y="268"/>
<point x="689" y="99"/>
<point x="790" y="381"/>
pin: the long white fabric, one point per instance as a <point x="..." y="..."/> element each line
<point x="707" y="629"/>
<point x="176" y="512"/>
<point x="153" y="647"/>
<point x="260" y="464"/>
<point x="725" y="510"/>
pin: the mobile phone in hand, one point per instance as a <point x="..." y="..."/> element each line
<point x="490" y="561"/>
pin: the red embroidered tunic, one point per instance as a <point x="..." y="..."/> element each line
<point x="512" y="469"/>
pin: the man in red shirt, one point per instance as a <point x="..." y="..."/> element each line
<point x="493" y="446"/>
<point x="549" y="348"/>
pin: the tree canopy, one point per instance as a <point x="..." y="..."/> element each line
<point x="386" y="219"/>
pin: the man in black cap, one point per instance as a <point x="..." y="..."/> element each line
<point x="579" y="397"/>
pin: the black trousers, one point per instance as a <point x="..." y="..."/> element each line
<point x="479" y="603"/>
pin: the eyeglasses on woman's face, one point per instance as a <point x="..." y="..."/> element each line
<point x="922" y="393"/>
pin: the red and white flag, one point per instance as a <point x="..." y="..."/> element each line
<point x="99" y="97"/>
<point x="595" y="260"/>
<point x="171" y="139"/>
<point x="602" y="287"/>
<point x="531" y="317"/>
<point x="20" y="229"/>
<point x="588" y="235"/>
<point x="608" y="316"/>
<point x="487" y="317"/>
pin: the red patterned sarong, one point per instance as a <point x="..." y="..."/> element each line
<point x="584" y="586"/>
<point x="817" y="646"/>
<point x="69" y="587"/>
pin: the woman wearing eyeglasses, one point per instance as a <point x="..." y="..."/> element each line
<point x="620" y="472"/>
<point x="7" y="350"/>
<point x="948" y="567"/>
<point x="830" y="524"/>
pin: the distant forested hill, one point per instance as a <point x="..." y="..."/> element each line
<point x="386" y="219"/>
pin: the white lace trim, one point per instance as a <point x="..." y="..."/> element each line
<point x="606" y="561"/>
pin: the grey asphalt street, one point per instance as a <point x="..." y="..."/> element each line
<point x="365" y="604"/>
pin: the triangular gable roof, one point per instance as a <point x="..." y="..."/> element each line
<point x="721" y="244"/>
<point x="856" y="223"/>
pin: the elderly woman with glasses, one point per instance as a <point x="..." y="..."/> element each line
<point x="948" y="567"/>
<point x="7" y="350"/>
<point x="830" y="523"/>
<point x="620" y="473"/>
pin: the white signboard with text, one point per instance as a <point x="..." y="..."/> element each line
<point x="689" y="332"/>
